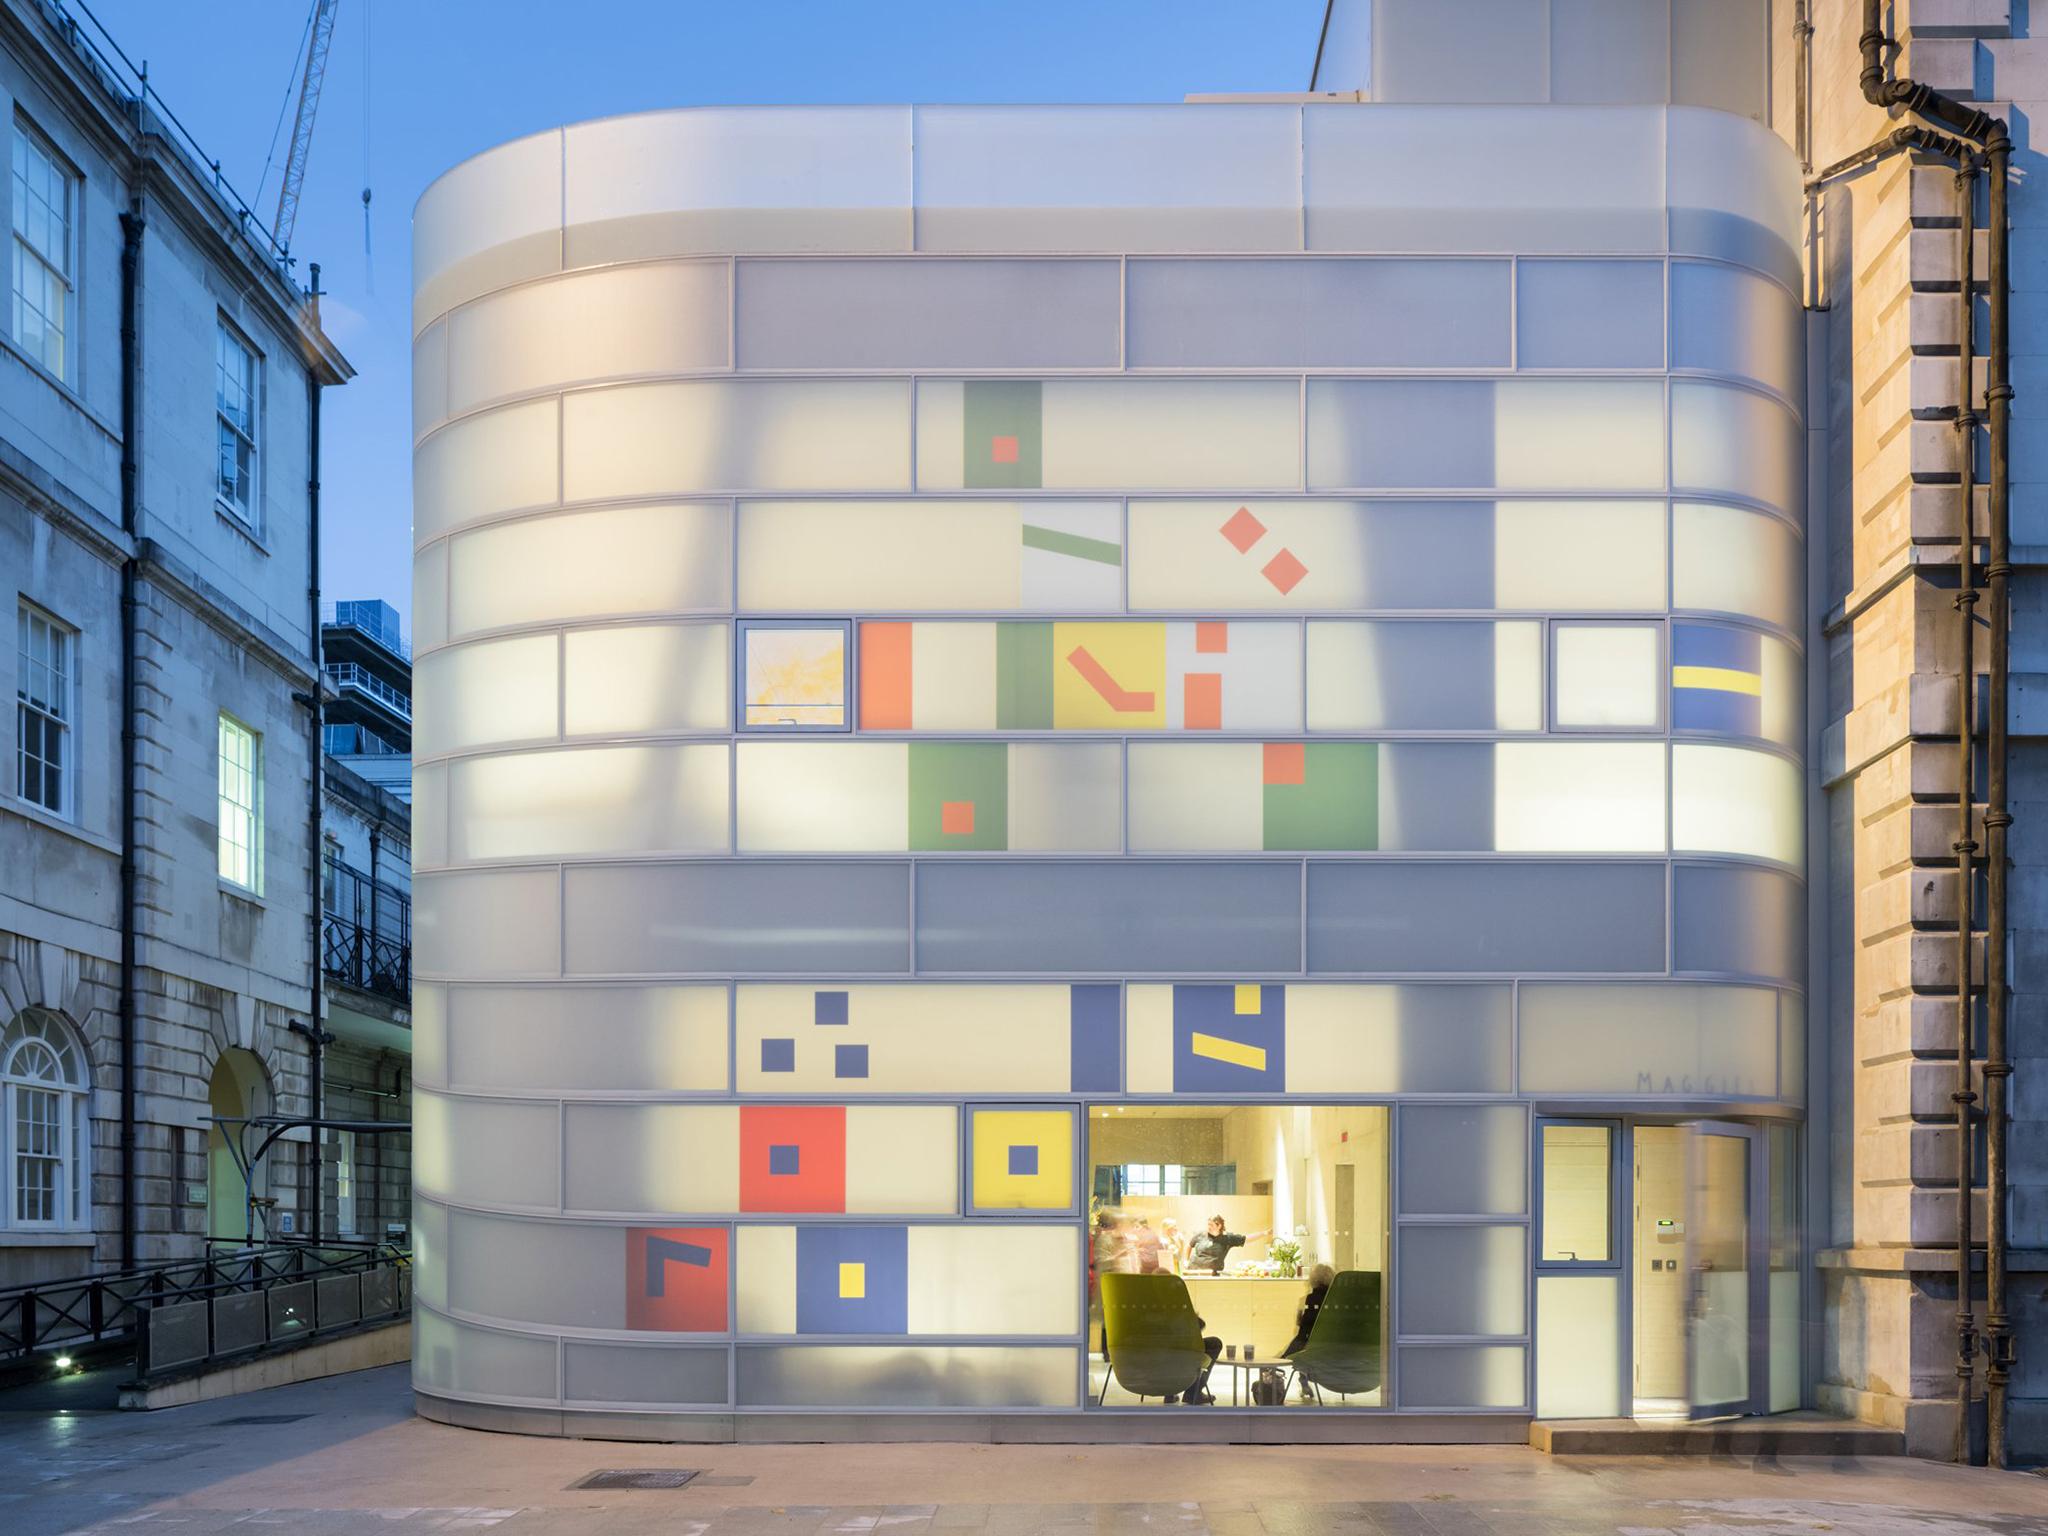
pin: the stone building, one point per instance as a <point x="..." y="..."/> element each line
<point x="160" y="379"/>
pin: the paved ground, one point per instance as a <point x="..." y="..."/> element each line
<point x="358" y="1462"/>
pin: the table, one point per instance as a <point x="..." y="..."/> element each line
<point x="1242" y="1370"/>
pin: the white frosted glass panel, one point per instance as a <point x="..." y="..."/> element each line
<point x="926" y="313"/>
<point x="1726" y="320"/>
<point x="429" y="1252"/>
<point x="1733" y="440"/>
<point x="1398" y="1039"/>
<point x="477" y="695"/>
<point x="598" y="800"/>
<point x="1732" y="170"/>
<point x="586" y="1039"/>
<point x="1201" y="795"/>
<point x="1742" y="919"/>
<point x="668" y="317"/>
<point x="1464" y="1376"/>
<point x="644" y="1374"/>
<point x="920" y="556"/>
<point x="501" y="461"/>
<point x="429" y="379"/>
<point x="1733" y="800"/>
<point x="721" y="918"/>
<point x="1541" y="555"/>
<point x="1578" y="797"/>
<point x="1481" y="51"/>
<point x="1731" y="560"/>
<point x="492" y="220"/>
<point x="906" y="1376"/>
<point x="1065" y="798"/>
<point x="1117" y="178"/>
<point x="652" y="1158"/>
<point x="1589" y="314"/>
<point x="1221" y="556"/>
<point x="1109" y="433"/>
<point x="430" y="597"/>
<point x="902" y="1158"/>
<point x="1467" y="1281"/>
<point x="487" y="923"/>
<point x="1720" y="54"/>
<point x="485" y="1151"/>
<point x="824" y="796"/>
<point x="764" y="1274"/>
<point x="591" y="565"/>
<point x="1024" y="1279"/>
<point x="1317" y="313"/>
<point x="1607" y="675"/>
<point x="557" y="1274"/>
<point x="656" y="677"/>
<point x="1554" y="434"/>
<point x="429" y="815"/>
<point x="1578" y="1347"/>
<point x="1792" y="1047"/>
<point x="1678" y="1039"/>
<point x="1464" y="1160"/>
<point x="1420" y="676"/>
<point x="461" y="1361"/>
<point x="738" y="435"/>
<point x="430" y="1033"/>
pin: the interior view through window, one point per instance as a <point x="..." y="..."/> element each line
<point x="1237" y="1255"/>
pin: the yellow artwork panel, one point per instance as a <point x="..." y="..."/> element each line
<point x="1023" y="1159"/>
<point x="1108" y="677"/>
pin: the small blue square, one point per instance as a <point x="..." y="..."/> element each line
<point x="778" y="1055"/>
<point x="783" y="1159"/>
<point x="1023" y="1160"/>
<point x="828" y="1008"/>
<point x="850" y="1061"/>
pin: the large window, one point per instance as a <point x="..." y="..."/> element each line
<point x="43" y="709"/>
<point x="235" y="405"/>
<point x="45" y="1128"/>
<point x="241" y="805"/>
<point x="44" y="199"/>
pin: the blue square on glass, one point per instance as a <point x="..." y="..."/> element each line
<point x="778" y="1055"/>
<point x="783" y="1160"/>
<point x="850" y="1061"/>
<point x="1023" y="1160"/>
<point x="828" y="1008"/>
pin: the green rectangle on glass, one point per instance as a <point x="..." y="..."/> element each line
<point x="1023" y="677"/>
<point x="1334" y="804"/>
<point x="959" y="795"/>
<point x="1002" y="426"/>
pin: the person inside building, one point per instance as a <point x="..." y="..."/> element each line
<point x="1319" y="1280"/>
<point x="1145" y="1247"/>
<point x="1209" y="1250"/>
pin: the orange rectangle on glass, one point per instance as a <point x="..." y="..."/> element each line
<point x="1212" y="637"/>
<point x="1202" y="701"/>
<point x="1286" y="762"/>
<point x="885" y="677"/>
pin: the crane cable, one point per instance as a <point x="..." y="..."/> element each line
<point x="369" y="267"/>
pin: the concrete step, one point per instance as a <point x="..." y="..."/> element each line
<point x="1777" y="1434"/>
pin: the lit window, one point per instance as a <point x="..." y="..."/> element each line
<point x="241" y="805"/>
<point x="44" y="193"/>
<point x="793" y="676"/>
<point x="235" y="371"/>
<point x="345" y="1183"/>
<point x="44" y="1123"/>
<point x="1577" y="1203"/>
<point x="43" y="710"/>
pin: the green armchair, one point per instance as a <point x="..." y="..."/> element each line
<point x="1342" y="1354"/>
<point x="1151" y="1335"/>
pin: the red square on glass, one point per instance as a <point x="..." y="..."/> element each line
<point x="1002" y="450"/>
<point x="956" y="818"/>
<point x="793" y="1157"/>
<point x="1212" y="638"/>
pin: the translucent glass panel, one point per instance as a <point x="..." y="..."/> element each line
<point x="927" y="313"/>
<point x="1317" y="313"/>
<point x="1405" y="917"/>
<point x="641" y="919"/>
<point x="486" y="1151"/>
<point x="429" y="1252"/>
<point x="1463" y="1281"/>
<point x="643" y="1374"/>
<point x="430" y="597"/>
<point x="1734" y="800"/>
<point x="1518" y="434"/>
<point x="595" y="801"/>
<point x="947" y="556"/>
<point x="551" y="1273"/>
<point x="1425" y="676"/>
<point x="641" y="679"/>
<point x="430" y="1033"/>
<point x="1727" y="320"/>
<point x="1578" y="797"/>
<point x="1731" y="560"/>
<point x="1576" y="1200"/>
<point x="1666" y="1038"/>
<point x="1606" y="676"/>
<point x="1085" y="434"/>
<point x="1023" y="1280"/>
<point x="1108" y="918"/>
<point x="1738" y="442"/>
<point x="1543" y="555"/>
<point x="1464" y="1376"/>
<point x="721" y="1159"/>
<point x="1463" y="1160"/>
<point x="482" y="694"/>
<point x="490" y="221"/>
<point x="825" y="796"/>
<point x="620" y="323"/>
<point x="907" y="1376"/>
<point x="459" y="1360"/>
<point x="486" y="924"/>
<point x="1782" y="1149"/>
<point x="604" y="563"/>
<point x="736" y="435"/>
<point x="649" y="1039"/>
<point x="486" y="465"/>
<point x="1578" y="1346"/>
<point x="1738" y="918"/>
<point x="1589" y="314"/>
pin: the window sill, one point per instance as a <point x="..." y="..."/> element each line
<point x="28" y="810"/>
<point x="241" y="525"/>
<point x="240" y="892"/>
<point x="65" y="388"/>
<point x="42" y="1237"/>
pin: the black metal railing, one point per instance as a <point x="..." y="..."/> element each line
<point x="366" y="933"/>
<point x="347" y="1289"/>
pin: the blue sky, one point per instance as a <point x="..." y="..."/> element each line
<point x="446" y="78"/>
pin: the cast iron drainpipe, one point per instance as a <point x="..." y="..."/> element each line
<point x="131" y="522"/>
<point x="1991" y="134"/>
<point x="316" y="1036"/>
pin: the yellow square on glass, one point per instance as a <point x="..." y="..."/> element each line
<point x="1023" y="1159"/>
<point x="853" y="1282"/>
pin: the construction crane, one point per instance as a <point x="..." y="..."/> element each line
<point x="322" y="37"/>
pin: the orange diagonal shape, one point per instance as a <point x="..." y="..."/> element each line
<point x="1116" y="696"/>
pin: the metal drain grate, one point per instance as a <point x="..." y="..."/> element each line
<point x="637" y="1477"/>
<point x="262" y="1418"/>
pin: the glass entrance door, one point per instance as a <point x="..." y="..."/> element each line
<point x="1726" y="1321"/>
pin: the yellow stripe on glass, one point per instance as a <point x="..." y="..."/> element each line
<point x="1722" y="679"/>
<point x="1235" y="1052"/>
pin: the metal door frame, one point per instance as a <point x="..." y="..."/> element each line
<point x="1756" y="1262"/>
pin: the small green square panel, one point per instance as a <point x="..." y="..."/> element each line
<point x="959" y="795"/>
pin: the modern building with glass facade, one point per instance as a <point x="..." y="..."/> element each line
<point x="994" y="682"/>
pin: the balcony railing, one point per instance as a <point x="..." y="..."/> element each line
<point x="349" y="674"/>
<point x="366" y="933"/>
<point x="373" y="620"/>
